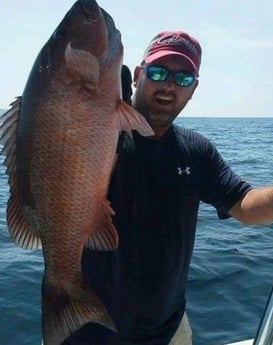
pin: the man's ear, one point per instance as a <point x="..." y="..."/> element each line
<point x="195" y="86"/>
<point x="136" y="75"/>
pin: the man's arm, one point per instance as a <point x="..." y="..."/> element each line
<point x="256" y="207"/>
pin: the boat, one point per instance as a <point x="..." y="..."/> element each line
<point x="245" y="342"/>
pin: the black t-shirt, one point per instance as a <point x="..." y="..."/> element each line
<point x="155" y="191"/>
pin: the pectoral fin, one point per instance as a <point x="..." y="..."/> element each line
<point x="82" y="66"/>
<point x="130" y="119"/>
<point x="105" y="237"/>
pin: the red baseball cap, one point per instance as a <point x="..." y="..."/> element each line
<point x="174" y="43"/>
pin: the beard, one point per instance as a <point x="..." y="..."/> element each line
<point x="159" y="109"/>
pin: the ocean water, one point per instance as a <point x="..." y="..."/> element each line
<point x="231" y="273"/>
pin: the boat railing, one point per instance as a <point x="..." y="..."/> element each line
<point x="264" y="334"/>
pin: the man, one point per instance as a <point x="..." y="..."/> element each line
<point x="155" y="191"/>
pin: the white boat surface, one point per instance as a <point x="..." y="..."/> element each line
<point x="245" y="342"/>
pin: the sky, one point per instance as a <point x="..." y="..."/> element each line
<point x="236" y="76"/>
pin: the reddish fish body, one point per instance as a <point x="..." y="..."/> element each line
<point x="60" y="141"/>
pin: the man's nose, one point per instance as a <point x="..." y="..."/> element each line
<point x="170" y="83"/>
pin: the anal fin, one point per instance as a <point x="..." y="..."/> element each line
<point x="22" y="223"/>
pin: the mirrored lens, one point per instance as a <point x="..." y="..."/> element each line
<point x="184" y="79"/>
<point x="157" y="73"/>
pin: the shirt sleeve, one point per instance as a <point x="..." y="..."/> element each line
<point x="221" y="187"/>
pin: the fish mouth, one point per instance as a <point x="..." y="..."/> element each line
<point x="90" y="10"/>
<point x="89" y="27"/>
<point x="82" y="14"/>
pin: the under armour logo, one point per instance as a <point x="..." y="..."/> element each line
<point x="186" y="171"/>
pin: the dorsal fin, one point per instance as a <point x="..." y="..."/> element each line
<point x="20" y="218"/>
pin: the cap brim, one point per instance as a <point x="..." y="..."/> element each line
<point x="162" y="53"/>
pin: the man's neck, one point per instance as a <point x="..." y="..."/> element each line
<point x="159" y="132"/>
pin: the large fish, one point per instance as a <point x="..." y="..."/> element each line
<point x="60" y="142"/>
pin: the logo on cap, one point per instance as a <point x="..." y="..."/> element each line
<point x="177" y="41"/>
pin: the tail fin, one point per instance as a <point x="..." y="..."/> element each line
<point x="65" y="311"/>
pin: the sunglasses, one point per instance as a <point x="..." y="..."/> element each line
<point x="161" y="73"/>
